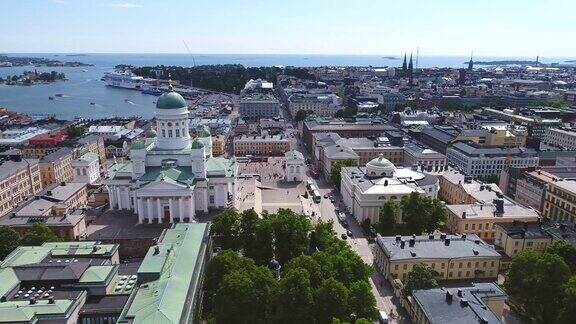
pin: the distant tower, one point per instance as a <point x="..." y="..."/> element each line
<point x="404" y="65"/>
<point x="537" y="60"/>
<point x="471" y="63"/>
<point x="410" y="71"/>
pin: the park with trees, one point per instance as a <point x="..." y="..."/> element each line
<point x="542" y="285"/>
<point x="279" y="268"/>
<point x="38" y="234"/>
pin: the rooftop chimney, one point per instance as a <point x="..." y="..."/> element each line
<point x="463" y="215"/>
<point x="51" y="300"/>
<point x="156" y="250"/>
<point x="32" y="301"/>
<point x="448" y="296"/>
<point x="459" y="293"/>
<point x="402" y="243"/>
<point x="412" y="242"/>
<point x="447" y="241"/>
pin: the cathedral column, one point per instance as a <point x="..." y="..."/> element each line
<point x="181" y="208"/>
<point x="112" y="197"/>
<point x="119" y="197"/>
<point x="150" y="210"/>
<point x="160" y="211"/>
<point x="136" y="207"/>
<point x="140" y="204"/>
<point x="171" y="208"/>
<point x="191" y="208"/>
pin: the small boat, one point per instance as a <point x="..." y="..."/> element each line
<point x="50" y="98"/>
<point x="59" y="95"/>
<point x="92" y="103"/>
<point x="127" y="100"/>
<point x="84" y="70"/>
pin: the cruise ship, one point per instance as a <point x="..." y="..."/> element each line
<point x="123" y="80"/>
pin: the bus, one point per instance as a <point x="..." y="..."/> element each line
<point x="316" y="196"/>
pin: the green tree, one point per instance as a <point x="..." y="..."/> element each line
<point x="9" y="241"/>
<point x="336" y="168"/>
<point x="420" y="277"/>
<point x="348" y="267"/>
<point x="38" y="235"/>
<point x="222" y="264"/>
<point x="387" y="221"/>
<point x="331" y="301"/>
<point x="536" y="281"/>
<point x="290" y="234"/>
<point x="421" y="213"/>
<point x="225" y="228"/>
<point x="302" y="114"/>
<point x="265" y="242"/>
<point x="323" y="234"/>
<point x="566" y="251"/>
<point x="76" y="131"/>
<point x="295" y="297"/>
<point x="362" y="301"/>
<point x="568" y="313"/>
<point x="245" y="296"/>
<point x="248" y="233"/>
<point x="308" y="263"/>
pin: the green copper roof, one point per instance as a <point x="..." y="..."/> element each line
<point x="380" y="162"/>
<point x="138" y="145"/>
<point x="221" y="164"/>
<point x="178" y="174"/>
<point x="96" y="274"/>
<point x="89" y="157"/>
<point x="170" y="278"/>
<point x="151" y="133"/>
<point x="8" y="280"/>
<point x="294" y="155"/>
<point x="22" y="312"/>
<point x="119" y="168"/>
<point x="196" y="144"/>
<point x="170" y="100"/>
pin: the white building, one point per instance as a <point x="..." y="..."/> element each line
<point x="295" y="166"/>
<point x="561" y="137"/>
<point x="319" y="104"/>
<point x="86" y="168"/>
<point x="171" y="177"/>
<point x="364" y="189"/>
<point x="479" y="160"/>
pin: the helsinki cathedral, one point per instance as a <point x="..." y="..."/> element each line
<point x="170" y="177"/>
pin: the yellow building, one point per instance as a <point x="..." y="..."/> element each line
<point x="18" y="181"/>
<point x="481" y="219"/>
<point x="453" y="257"/>
<point x="56" y="200"/>
<point x="94" y="144"/>
<point x="271" y="145"/>
<point x="457" y="188"/>
<point x="218" y="145"/>
<point x="560" y="201"/>
<point x="56" y="167"/>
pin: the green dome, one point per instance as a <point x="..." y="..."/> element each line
<point x="151" y="133"/>
<point x="196" y="144"/>
<point x="138" y="145"/>
<point x="170" y="100"/>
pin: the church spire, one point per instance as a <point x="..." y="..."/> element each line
<point x="471" y="62"/>
<point x="410" y="64"/>
<point x="404" y="65"/>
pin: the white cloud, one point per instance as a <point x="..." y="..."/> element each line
<point x="60" y="1"/>
<point x="124" y="5"/>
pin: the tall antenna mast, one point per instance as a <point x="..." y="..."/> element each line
<point x="189" y="52"/>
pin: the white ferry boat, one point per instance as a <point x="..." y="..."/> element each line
<point x="123" y="80"/>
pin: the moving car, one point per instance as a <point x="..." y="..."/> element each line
<point x="382" y="317"/>
<point x="344" y="236"/>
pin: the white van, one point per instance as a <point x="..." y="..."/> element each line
<point x="382" y="317"/>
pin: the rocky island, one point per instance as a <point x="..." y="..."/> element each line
<point x="11" y="61"/>
<point x="33" y="77"/>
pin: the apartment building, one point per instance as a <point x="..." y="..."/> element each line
<point x="453" y="257"/>
<point x="44" y="144"/>
<point x="95" y="144"/>
<point x="419" y="155"/>
<point x="360" y="127"/>
<point x="324" y="105"/>
<point x="259" y="105"/>
<point x="561" y="137"/>
<point x="56" y="167"/>
<point x="86" y="168"/>
<point x="55" y="200"/>
<point x="18" y="181"/>
<point x="480" y="160"/>
<point x="218" y="145"/>
<point x="265" y="145"/>
<point x="481" y="219"/>
<point x="559" y="203"/>
<point x="458" y="188"/>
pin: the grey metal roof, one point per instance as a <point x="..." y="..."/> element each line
<point x="436" y="248"/>
<point x="466" y="305"/>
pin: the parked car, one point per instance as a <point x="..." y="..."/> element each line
<point x="349" y="233"/>
<point x="344" y="236"/>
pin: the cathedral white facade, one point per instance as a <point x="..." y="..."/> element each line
<point x="171" y="177"/>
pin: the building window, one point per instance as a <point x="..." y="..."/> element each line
<point x="163" y="133"/>
<point x="170" y="133"/>
<point x="177" y="133"/>
<point x="211" y="199"/>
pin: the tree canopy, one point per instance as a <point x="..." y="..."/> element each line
<point x="420" y="277"/>
<point x="316" y="284"/>
<point x="39" y="234"/>
<point x="9" y="241"/>
<point x="336" y="168"/>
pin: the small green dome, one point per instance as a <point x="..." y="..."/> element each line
<point x="196" y="144"/>
<point x="151" y="133"/>
<point x="170" y="100"/>
<point x="138" y="145"/>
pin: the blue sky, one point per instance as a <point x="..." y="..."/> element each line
<point x="437" y="27"/>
